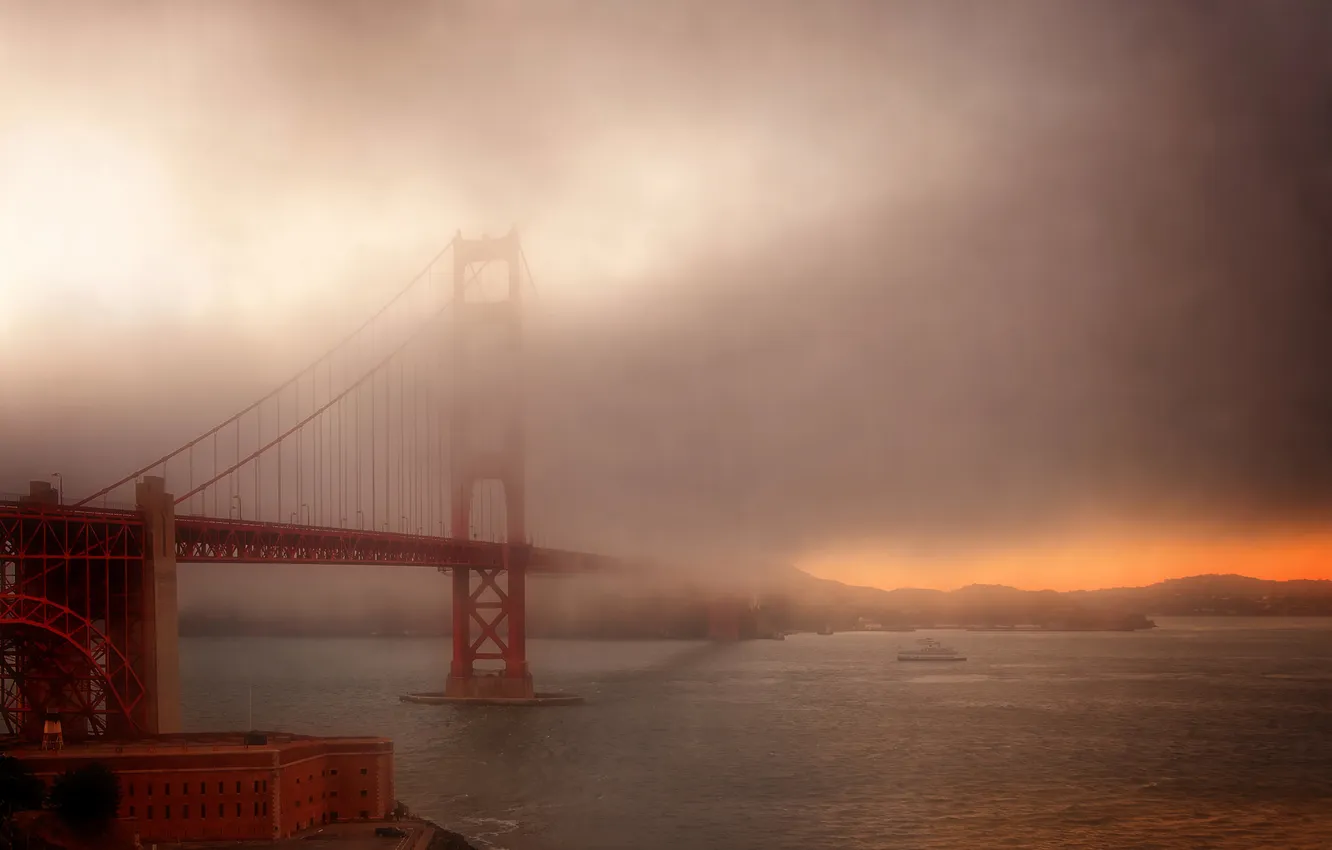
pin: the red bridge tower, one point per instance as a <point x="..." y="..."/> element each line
<point x="488" y="443"/>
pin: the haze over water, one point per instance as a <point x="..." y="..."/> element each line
<point x="1031" y="292"/>
<point x="1202" y="733"/>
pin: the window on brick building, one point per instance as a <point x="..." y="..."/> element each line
<point x="150" y="813"/>
<point x="364" y="814"/>
<point x="333" y="772"/>
<point x="265" y="786"/>
<point x="364" y="771"/>
<point x="185" y="810"/>
<point x="256" y="785"/>
<point x="166" y="812"/>
<point x="298" y="804"/>
<point x="166" y="788"/>
<point x="131" y="811"/>
<point x="362" y="792"/>
<point x="332" y="793"/>
<point x="265" y="807"/>
<point x="203" y="810"/>
<point x="131" y="789"/>
<point x="238" y="786"/>
<point x="219" y="788"/>
<point x="256" y="807"/>
<point x="221" y="809"/>
<point x="238" y="810"/>
<point x="150" y="789"/>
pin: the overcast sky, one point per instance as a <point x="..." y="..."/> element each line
<point x="909" y="278"/>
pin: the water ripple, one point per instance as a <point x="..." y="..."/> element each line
<point x="1181" y="738"/>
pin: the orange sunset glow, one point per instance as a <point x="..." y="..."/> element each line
<point x="1088" y="563"/>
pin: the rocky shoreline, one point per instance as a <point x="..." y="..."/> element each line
<point x="446" y="839"/>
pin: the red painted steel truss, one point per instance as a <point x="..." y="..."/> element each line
<point x="499" y="613"/>
<point x="71" y="620"/>
<point x="488" y="605"/>
<point x="72" y="604"/>
<point x="95" y="680"/>
<point x="200" y="539"/>
<point x="232" y="541"/>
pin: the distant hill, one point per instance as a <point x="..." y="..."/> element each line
<point x="329" y="601"/>
<point x="1201" y="595"/>
<point x="840" y="605"/>
<point x="978" y="604"/>
<point x="1219" y="595"/>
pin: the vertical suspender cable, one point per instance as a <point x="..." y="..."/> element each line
<point x="430" y="492"/>
<point x="279" y="430"/>
<point x="259" y="461"/>
<point x="445" y="465"/>
<point x="402" y="481"/>
<point x="374" y="513"/>
<point x="359" y="456"/>
<point x="320" y="447"/>
<point x="374" y="466"/>
<point x="300" y="452"/>
<point x="409" y="444"/>
<point x="342" y="454"/>
<point x="413" y="515"/>
<point x="316" y="450"/>
<point x="330" y="453"/>
<point x="321" y="451"/>
<point x="416" y="446"/>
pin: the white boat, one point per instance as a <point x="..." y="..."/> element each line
<point x="931" y="650"/>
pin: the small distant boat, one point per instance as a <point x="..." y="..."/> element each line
<point x="931" y="650"/>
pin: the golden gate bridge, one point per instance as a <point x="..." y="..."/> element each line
<point x="404" y="444"/>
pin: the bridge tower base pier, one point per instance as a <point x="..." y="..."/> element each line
<point x="501" y="614"/>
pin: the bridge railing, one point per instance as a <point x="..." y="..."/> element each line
<point x="11" y="502"/>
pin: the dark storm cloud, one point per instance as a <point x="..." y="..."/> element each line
<point x="1117" y="310"/>
<point x="1126" y="320"/>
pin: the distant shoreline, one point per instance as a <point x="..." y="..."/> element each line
<point x="796" y="602"/>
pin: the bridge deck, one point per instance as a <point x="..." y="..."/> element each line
<point x="208" y="540"/>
